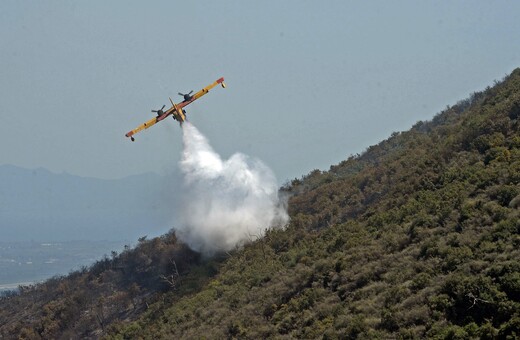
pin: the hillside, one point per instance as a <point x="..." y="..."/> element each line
<point x="417" y="237"/>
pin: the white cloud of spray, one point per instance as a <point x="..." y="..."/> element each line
<point x="225" y="202"/>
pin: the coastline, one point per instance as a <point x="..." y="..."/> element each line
<point x="14" y="286"/>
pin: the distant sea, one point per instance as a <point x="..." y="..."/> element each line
<point x="24" y="263"/>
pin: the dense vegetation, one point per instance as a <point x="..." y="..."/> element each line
<point x="417" y="237"/>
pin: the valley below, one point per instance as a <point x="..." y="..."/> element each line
<point x="24" y="263"/>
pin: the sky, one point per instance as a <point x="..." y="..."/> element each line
<point x="309" y="83"/>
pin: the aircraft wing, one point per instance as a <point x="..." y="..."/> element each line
<point x="143" y="126"/>
<point x="202" y="92"/>
<point x="175" y="108"/>
<point x="149" y="123"/>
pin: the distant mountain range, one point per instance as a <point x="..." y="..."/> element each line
<point x="36" y="204"/>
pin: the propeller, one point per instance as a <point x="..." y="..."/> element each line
<point x="160" y="111"/>
<point x="186" y="96"/>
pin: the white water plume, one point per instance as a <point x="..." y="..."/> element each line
<point x="225" y="202"/>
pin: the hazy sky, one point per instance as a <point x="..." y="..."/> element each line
<point x="309" y="82"/>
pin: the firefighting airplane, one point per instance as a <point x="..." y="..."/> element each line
<point x="176" y="111"/>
